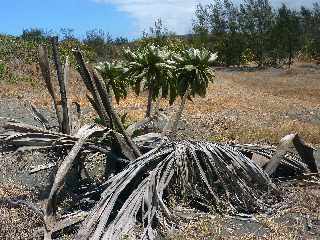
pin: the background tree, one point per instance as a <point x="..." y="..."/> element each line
<point x="286" y="35"/>
<point x="217" y="28"/>
<point x="306" y="21"/>
<point x="234" y="42"/>
<point x="315" y="32"/>
<point x="67" y="34"/>
<point x="100" y="42"/>
<point x="157" y="35"/>
<point x="120" y="40"/>
<point x="200" y="26"/>
<point x="256" y="23"/>
<point x="34" y="34"/>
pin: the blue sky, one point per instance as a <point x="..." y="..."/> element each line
<point x="119" y="17"/>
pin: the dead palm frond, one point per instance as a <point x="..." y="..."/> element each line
<point x="205" y="175"/>
<point x="64" y="168"/>
<point x="22" y="137"/>
<point x="143" y="195"/>
<point x="88" y="140"/>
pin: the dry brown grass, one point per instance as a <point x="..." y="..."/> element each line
<point x="243" y="106"/>
<point x="259" y="106"/>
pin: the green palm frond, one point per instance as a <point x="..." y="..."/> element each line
<point x="150" y="65"/>
<point x="194" y="71"/>
<point x="114" y="75"/>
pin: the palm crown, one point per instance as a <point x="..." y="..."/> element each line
<point x="150" y="68"/>
<point x="193" y="71"/>
<point x="154" y="68"/>
<point x="113" y="75"/>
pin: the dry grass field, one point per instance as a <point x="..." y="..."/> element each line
<point x="242" y="105"/>
<point x="261" y="106"/>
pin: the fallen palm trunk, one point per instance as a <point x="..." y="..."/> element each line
<point x="292" y="157"/>
<point x="293" y="143"/>
<point x="51" y="204"/>
<point x="209" y="175"/>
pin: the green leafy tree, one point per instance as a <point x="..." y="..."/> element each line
<point x="100" y="42"/>
<point x="157" y="35"/>
<point x="201" y="26"/>
<point x="217" y="22"/>
<point x="234" y="41"/>
<point x="217" y="27"/>
<point x="211" y="26"/>
<point x="120" y="41"/>
<point x="36" y="35"/>
<point x="256" y="19"/>
<point x="310" y="21"/>
<point x="286" y="32"/>
<point x="67" y="34"/>
<point x="306" y="21"/>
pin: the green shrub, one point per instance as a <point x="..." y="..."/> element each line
<point x="2" y="70"/>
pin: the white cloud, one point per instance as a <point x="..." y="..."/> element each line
<point x="176" y="14"/>
<point x="294" y="3"/>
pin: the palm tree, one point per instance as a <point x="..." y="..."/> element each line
<point x="113" y="74"/>
<point x="193" y="76"/>
<point x="149" y="67"/>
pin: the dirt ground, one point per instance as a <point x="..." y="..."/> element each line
<point x="243" y="105"/>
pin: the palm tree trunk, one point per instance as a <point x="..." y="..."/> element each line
<point x="149" y="104"/>
<point x="103" y="92"/>
<point x="45" y="70"/>
<point x="86" y="77"/>
<point x="174" y="127"/>
<point x="66" y="82"/>
<point x="157" y="105"/>
<point x="92" y="80"/>
<point x="64" y="100"/>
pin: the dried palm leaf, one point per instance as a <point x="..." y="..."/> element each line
<point x="212" y="175"/>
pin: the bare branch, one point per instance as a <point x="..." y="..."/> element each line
<point x="90" y="84"/>
<point x="40" y="117"/>
<point x="51" y="204"/>
<point x="64" y="100"/>
<point x="46" y="74"/>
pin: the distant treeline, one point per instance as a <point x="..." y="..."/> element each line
<point x="100" y="44"/>
<point x="255" y="31"/>
<point x="252" y="31"/>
